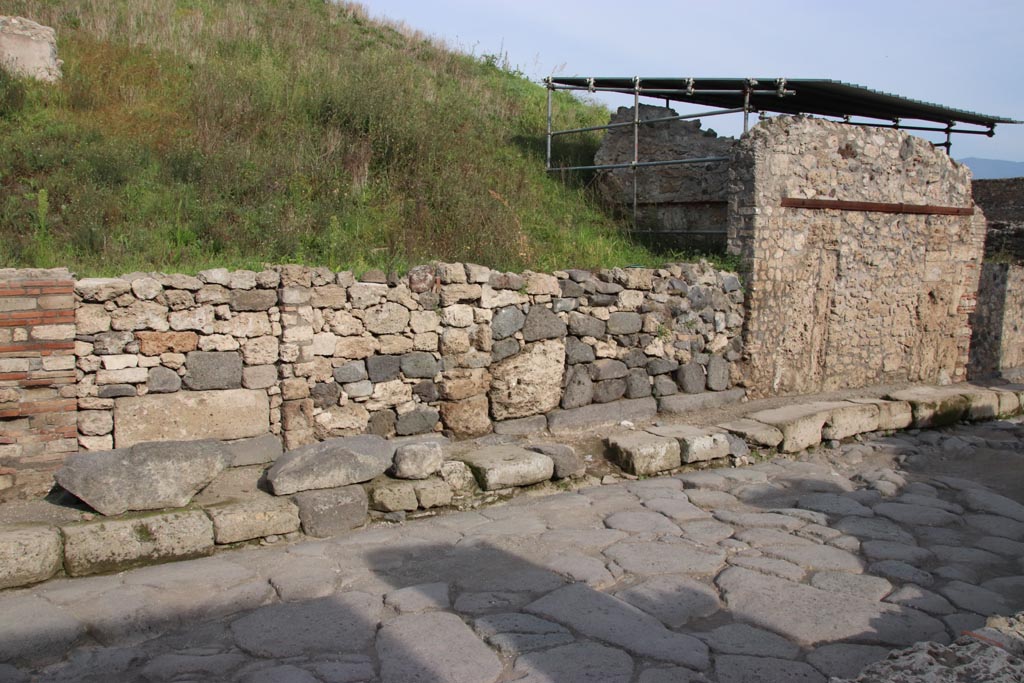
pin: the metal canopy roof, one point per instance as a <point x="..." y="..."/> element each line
<point x="786" y="96"/>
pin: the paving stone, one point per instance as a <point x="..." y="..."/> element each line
<point x="861" y="585"/>
<point x="742" y="639"/>
<point x="105" y="545"/>
<point x="675" y="674"/>
<point x="834" y="504"/>
<point x="576" y="663"/>
<point x="695" y="444"/>
<point x="743" y="669"/>
<point x="991" y="503"/>
<point x="919" y="598"/>
<point x="343" y="622"/>
<point x="329" y="512"/>
<point x="513" y="632"/>
<point x="763" y="520"/>
<point x="928" y="501"/>
<point x="845" y="659"/>
<point x="641" y="453"/>
<point x="891" y="550"/>
<point x="640" y="522"/>
<point x="769" y="565"/>
<point x="433" y="646"/>
<point x="676" y="509"/>
<point x="874" y="528"/>
<point x="412" y="599"/>
<point x="712" y="499"/>
<point x="330" y="464"/>
<point x="1011" y="588"/>
<point x="615" y="622"/>
<point x="901" y="572"/>
<point x="755" y="432"/>
<point x="285" y="673"/>
<point x="996" y="526"/>
<point x="310" y="580"/>
<point x="970" y="556"/>
<point x="29" y="554"/>
<point x="33" y="631"/>
<point x="676" y="557"/>
<point x="242" y="520"/>
<point x="809" y="616"/>
<point x="673" y="600"/>
<point x="974" y="598"/>
<point x="1002" y="546"/>
<point x="759" y="538"/>
<point x="707" y="479"/>
<point x="957" y="572"/>
<point x="170" y="665"/>
<point x="915" y="514"/>
<point x="817" y="557"/>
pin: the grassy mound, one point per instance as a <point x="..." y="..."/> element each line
<point x="193" y="134"/>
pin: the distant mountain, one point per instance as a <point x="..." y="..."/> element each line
<point x="994" y="168"/>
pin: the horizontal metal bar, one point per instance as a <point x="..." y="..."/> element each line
<point x="672" y="91"/>
<point x="630" y="164"/>
<point x="608" y="126"/>
<point x="876" y="207"/>
<point x="989" y="133"/>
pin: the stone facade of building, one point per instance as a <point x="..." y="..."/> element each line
<point x="843" y="298"/>
<point x="997" y="344"/>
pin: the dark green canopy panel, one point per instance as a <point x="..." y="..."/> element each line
<point x="786" y="96"/>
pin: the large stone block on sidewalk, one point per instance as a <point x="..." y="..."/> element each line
<point x="696" y="444"/>
<point x="891" y="414"/>
<point x="392" y="495"/>
<point x="254" y="451"/>
<point x="108" y="545"/>
<point x="800" y="424"/>
<point x="933" y="406"/>
<point x="242" y="520"/>
<point x="641" y="453"/>
<point x="147" y="476"/>
<point x="599" y="415"/>
<point x="529" y="382"/>
<point x="755" y="432"/>
<point x="681" y="404"/>
<point x="230" y="414"/>
<point x="982" y="404"/>
<point x="29" y="554"/>
<point x="850" y="418"/>
<point x="329" y="512"/>
<point x="499" y="467"/>
<point x="418" y="460"/>
<point x="330" y="464"/>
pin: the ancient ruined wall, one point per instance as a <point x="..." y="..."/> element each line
<point x="997" y="344"/>
<point x="842" y="297"/>
<point x="679" y="203"/>
<point x="1002" y="200"/>
<point x="307" y="353"/>
<point x="37" y="374"/>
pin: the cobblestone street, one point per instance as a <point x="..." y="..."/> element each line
<point x="788" y="570"/>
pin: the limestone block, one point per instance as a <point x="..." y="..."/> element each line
<point x="330" y="464"/>
<point x="467" y="418"/>
<point x="95" y="422"/>
<point x="696" y="444"/>
<point x="800" y="424"/>
<point x="328" y="512"/>
<point x="147" y="476"/>
<point x="388" y="318"/>
<point x="417" y="460"/>
<point x="255" y="451"/>
<point x="598" y="415"/>
<point x="567" y="463"/>
<point x="891" y="414"/>
<point x="392" y="495"/>
<point x="108" y="545"/>
<point x="29" y="554"/>
<point x="753" y="431"/>
<point x="982" y="404"/>
<point x="498" y="467"/>
<point x="681" y="404"/>
<point x="242" y="520"/>
<point x="432" y="493"/>
<point x="529" y="382"/>
<point x="157" y="343"/>
<point x="641" y="453"/>
<point x="91" y="319"/>
<point x="101" y="289"/>
<point x="231" y="414"/>
<point x="258" y="376"/>
<point x="933" y="406"/>
<point x="853" y="418"/>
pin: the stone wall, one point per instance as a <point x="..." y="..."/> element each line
<point x="840" y="297"/>
<point x="1002" y="200"/>
<point x="680" y="204"/>
<point x="29" y="49"/>
<point x="997" y="344"/>
<point x="307" y="353"/>
<point x="37" y="374"/>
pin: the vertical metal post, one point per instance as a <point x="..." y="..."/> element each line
<point x="746" y="107"/>
<point x="949" y="139"/>
<point x="551" y="90"/>
<point x="636" y="144"/>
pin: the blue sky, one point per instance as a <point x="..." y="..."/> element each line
<point x="968" y="55"/>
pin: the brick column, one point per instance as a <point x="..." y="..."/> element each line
<point x="37" y="378"/>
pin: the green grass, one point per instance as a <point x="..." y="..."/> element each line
<point x="237" y="133"/>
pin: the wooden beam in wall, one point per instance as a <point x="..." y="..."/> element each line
<point x="876" y="207"/>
